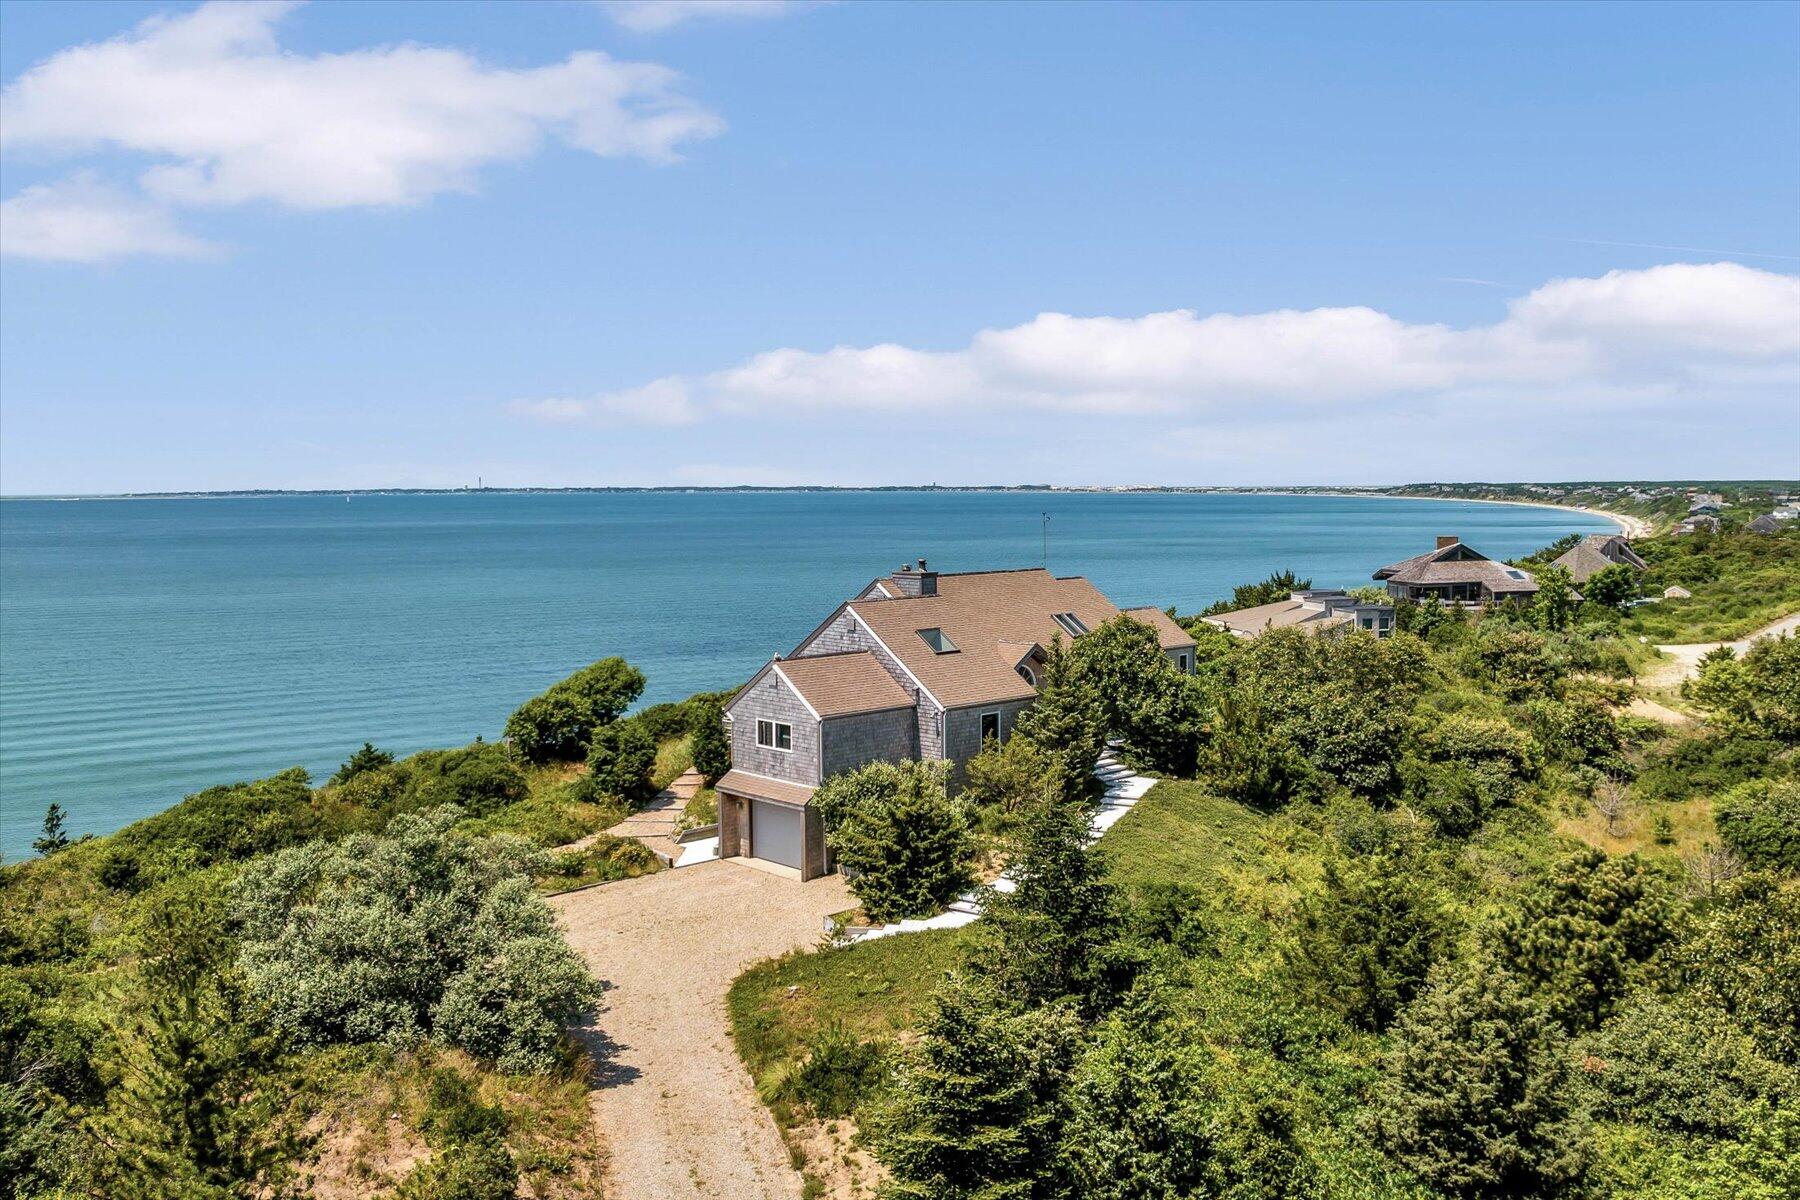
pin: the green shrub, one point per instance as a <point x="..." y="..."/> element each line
<point x="1757" y="695"/>
<point x="603" y="860"/>
<point x="712" y="748"/>
<point x="840" y="1071"/>
<point x="478" y="779"/>
<point x="1684" y="767"/>
<point x="219" y="825"/>
<point x="557" y="725"/>
<point x="620" y="761"/>
<point x="901" y="842"/>
<point x="1760" y="820"/>
<point x="417" y="932"/>
<point x="482" y="1170"/>
<point x="1517" y="663"/>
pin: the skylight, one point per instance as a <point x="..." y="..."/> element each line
<point x="938" y="640"/>
<point x="1071" y="624"/>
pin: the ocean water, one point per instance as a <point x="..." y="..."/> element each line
<point x="150" y="648"/>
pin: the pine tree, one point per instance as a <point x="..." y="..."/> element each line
<point x="976" y="1115"/>
<point x="197" y="1111"/>
<point x="1054" y="934"/>
<point x="1478" y="1097"/>
<point x="904" y="843"/>
<point x="1065" y="722"/>
<point x="54" y="838"/>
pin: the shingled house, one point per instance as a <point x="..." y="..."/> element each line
<point x="1596" y="552"/>
<point x="1321" y="611"/>
<point x="1456" y="573"/>
<point x="920" y="665"/>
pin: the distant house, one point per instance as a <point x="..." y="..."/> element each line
<point x="1320" y="611"/>
<point x="919" y="665"/>
<point x="1767" y="523"/>
<point x="1596" y="552"/>
<point x="1705" y="502"/>
<point x="1700" y="524"/>
<point x="1677" y="592"/>
<point x="1456" y="573"/>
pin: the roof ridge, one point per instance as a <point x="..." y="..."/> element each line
<point x="828" y="654"/>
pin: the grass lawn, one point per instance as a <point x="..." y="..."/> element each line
<point x="1182" y="833"/>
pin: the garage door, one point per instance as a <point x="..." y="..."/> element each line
<point x="776" y="833"/>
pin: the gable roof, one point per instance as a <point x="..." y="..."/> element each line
<point x="840" y="685"/>
<point x="1596" y="552"/>
<point x="977" y="611"/>
<point x="1457" y="563"/>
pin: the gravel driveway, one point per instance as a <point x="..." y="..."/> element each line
<point x="674" y="1103"/>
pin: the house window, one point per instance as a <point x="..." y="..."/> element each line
<point x="990" y="727"/>
<point x="1071" y="624"/>
<point x="775" y="735"/>
<point x="938" y="640"/>
<point x="1182" y="660"/>
<point x="1025" y="674"/>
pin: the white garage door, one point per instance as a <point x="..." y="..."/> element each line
<point x="776" y="833"/>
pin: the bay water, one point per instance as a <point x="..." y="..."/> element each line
<point x="153" y="647"/>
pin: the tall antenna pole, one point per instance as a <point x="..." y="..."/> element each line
<point x="1046" y="541"/>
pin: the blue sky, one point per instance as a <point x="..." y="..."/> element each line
<point x="368" y="245"/>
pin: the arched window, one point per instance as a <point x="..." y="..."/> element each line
<point x="1025" y="674"/>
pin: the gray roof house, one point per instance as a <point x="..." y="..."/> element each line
<point x="1596" y="552"/>
<point x="1322" y="611"/>
<point x="920" y="664"/>
<point x="1456" y="573"/>
<point x="1767" y="523"/>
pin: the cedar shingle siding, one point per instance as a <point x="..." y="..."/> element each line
<point x="869" y="737"/>
<point x="770" y="699"/>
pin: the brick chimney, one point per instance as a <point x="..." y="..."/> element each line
<point x="1447" y="539"/>
<point x="912" y="580"/>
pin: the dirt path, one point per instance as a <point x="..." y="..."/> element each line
<point x="673" y="1101"/>
<point x="1684" y="661"/>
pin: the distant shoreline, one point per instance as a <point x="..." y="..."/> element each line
<point x="1631" y="527"/>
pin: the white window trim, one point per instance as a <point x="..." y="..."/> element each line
<point x="999" y="733"/>
<point x="1026" y="673"/>
<point x="774" y="742"/>
<point x="1182" y="660"/>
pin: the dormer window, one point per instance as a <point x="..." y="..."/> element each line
<point x="1070" y="623"/>
<point x="1025" y="674"/>
<point x="938" y="640"/>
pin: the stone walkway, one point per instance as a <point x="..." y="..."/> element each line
<point x="654" y="824"/>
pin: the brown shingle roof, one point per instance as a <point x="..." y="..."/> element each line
<point x="978" y="611"/>
<point x="1596" y="552"/>
<point x="743" y="783"/>
<point x="1457" y="563"/>
<point x="1169" y="635"/>
<point x="837" y="685"/>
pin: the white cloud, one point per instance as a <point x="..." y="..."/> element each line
<point x="654" y="16"/>
<point x="663" y="402"/>
<point x="1605" y="341"/>
<point x="80" y="219"/>
<point x="231" y="118"/>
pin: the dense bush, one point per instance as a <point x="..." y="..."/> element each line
<point x="1757" y="695"/>
<point x="620" y="760"/>
<point x="1760" y="820"/>
<point x="1066" y="722"/>
<point x="478" y="779"/>
<point x="470" y="1160"/>
<point x="1683" y="767"/>
<point x="898" y="837"/>
<point x="1579" y="731"/>
<point x="556" y="726"/>
<point x="1478" y="1096"/>
<point x="840" y="1071"/>
<point x="366" y="759"/>
<point x="415" y="932"/>
<point x="1002" y="781"/>
<point x="218" y="825"/>
<point x="712" y="746"/>
<point x="1518" y="663"/>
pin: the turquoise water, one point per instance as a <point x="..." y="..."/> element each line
<point x="149" y="648"/>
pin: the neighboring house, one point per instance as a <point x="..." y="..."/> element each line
<point x="1318" y="611"/>
<point x="920" y="665"/>
<point x="1596" y="552"/>
<point x="1767" y="523"/>
<point x="1456" y="573"/>
<point x="1706" y="502"/>
<point x="1677" y="592"/>
<point x="1697" y="525"/>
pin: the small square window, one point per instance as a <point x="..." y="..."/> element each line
<point x="938" y="640"/>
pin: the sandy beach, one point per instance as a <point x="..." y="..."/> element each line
<point x="1630" y="526"/>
